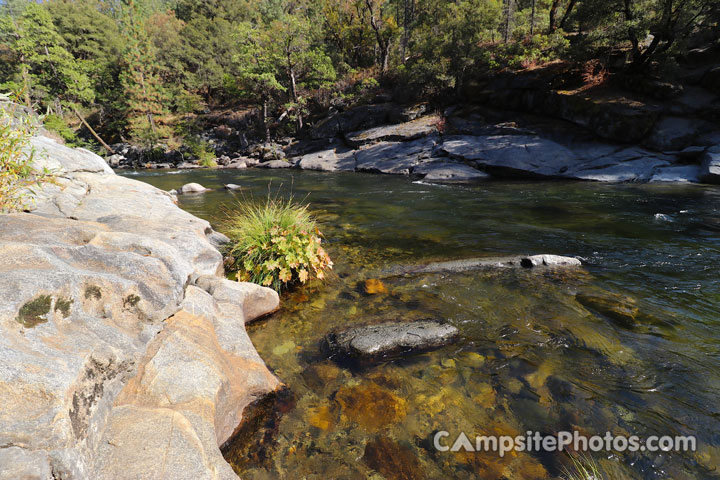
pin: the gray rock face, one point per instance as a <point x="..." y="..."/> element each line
<point x="677" y="174"/>
<point x="710" y="167"/>
<point x="276" y="164"/>
<point x="366" y="116"/>
<point x="332" y="160"/>
<point x="402" y="132"/>
<point x="511" y="155"/>
<point x="390" y="338"/>
<point x="112" y="359"/>
<point x="394" y="157"/>
<point x="673" y="133"/>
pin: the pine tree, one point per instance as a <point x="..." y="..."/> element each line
<point x="142" y="90"/>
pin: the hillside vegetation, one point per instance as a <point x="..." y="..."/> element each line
<point x="141" y="71"/>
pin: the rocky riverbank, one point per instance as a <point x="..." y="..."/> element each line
<point x="123" y="350"/>
<point x="543" y="123"/>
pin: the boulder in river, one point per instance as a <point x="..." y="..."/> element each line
<point x="232" y="186"/>
<point x="449" y="172"/>
<point x="463" y="265"/>
<point x="193" y="188"/>
<point x="389" y="338"/>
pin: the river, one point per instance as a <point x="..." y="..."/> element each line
<point x="532" y="356"/>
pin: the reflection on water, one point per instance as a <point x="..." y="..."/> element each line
<point x="629" y="345"/>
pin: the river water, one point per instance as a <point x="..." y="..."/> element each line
<point x="544" y="352"/>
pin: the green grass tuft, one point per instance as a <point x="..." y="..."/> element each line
<point x="584" y="467"/>
<point x="276" y="244"/>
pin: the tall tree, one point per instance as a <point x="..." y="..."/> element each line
<point x="143" y="95"/>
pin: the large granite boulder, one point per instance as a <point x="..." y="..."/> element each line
<point x="511" y="155"/>
<point x="674" y="133"/>
<point x="329" y="160"/>
<point x="394" y="157"/>
<point x="100" y="323"/>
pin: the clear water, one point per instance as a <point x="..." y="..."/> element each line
<point x="531" y="356"/>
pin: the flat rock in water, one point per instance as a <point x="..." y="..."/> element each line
<point x="232" y="186"/>
<point x="390" y="338"/>
<point x="531" y="261"/>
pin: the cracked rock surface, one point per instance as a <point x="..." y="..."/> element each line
<point x="123" y="350"/>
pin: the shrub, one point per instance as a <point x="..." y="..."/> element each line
<point x="57" y="125"/>
<point x="202" y="151"/>
<point x="17" y="175"/>
<point x="276" y="244"/>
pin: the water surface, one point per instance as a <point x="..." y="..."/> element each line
<point x="531" y="357"/>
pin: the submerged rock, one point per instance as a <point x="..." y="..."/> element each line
<point x="374" y="286"/>
<point x="371" y="406"/>
<point x="389" y="338"/>
<point x="393" y="460"/>
<point x="618" y="308"/>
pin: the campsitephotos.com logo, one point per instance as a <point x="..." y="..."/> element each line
<point x="537" y="442"/>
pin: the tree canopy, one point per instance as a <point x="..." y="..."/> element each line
<point x="136" y="66"/>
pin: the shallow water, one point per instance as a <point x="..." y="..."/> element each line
<point x="531" y="357"/>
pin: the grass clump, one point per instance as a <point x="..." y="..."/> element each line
<point x="276" y="244"/>
<point x="583" y="468"/>
<point x="17" y="175"/>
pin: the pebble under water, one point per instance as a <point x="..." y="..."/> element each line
<point x="629" y="344"/>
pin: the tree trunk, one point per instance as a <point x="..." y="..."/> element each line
<point x="94" y="134"/>
<point x="265" y="123"/>
<point x="567" y="13"/>
<point x="383" y="44"/>
<point x="553" y="16"/>
<point x="532" y="18"/>
<point x="26" y="84"/>
<point x="295" y="98"/>
<point x="508" y="21"/>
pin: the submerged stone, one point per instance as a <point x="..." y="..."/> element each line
<point x="392" y="460"/>
<point x="618" y="308"/>
<point x="374" y="286"/>
<point x="390" y="338"/>
<point x="371" y="406"/>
